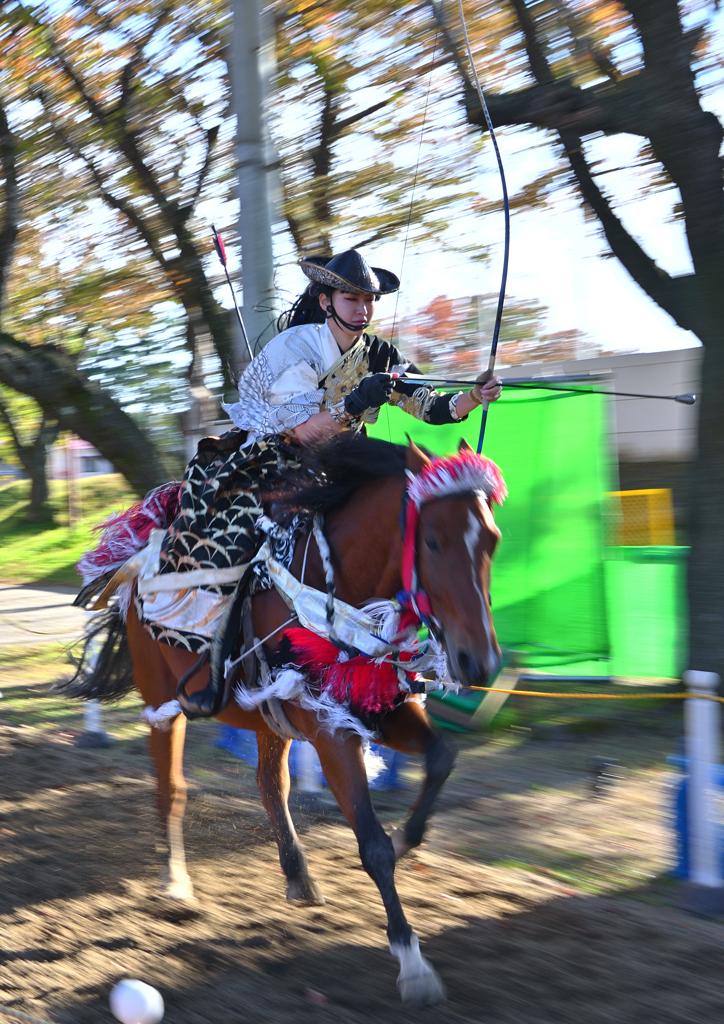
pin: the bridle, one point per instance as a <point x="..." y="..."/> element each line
<point x="464" y="474"/>
<point x="414" y="602"/>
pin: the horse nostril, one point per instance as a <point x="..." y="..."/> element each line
<point x="470" y="668"/>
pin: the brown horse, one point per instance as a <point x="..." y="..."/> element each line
<point x="363" y="486"/>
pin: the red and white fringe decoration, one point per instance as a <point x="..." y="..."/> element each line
<point x="125" y="533"/>
<point x="457" y="474"/>
<point x="364" y="684"/>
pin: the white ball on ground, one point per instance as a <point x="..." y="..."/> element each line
<point x="135" y="1002"/>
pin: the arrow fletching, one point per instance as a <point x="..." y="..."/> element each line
<point x="219" y="246"/>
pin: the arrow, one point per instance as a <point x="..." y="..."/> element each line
<point x="421" y="379"/>
<point x="221" y="253"/>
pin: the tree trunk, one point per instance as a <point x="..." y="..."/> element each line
<point x="35" y="464"/>
<point x="706" y="579"/>
<point x="51" y="377"/>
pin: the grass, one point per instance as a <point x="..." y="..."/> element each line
<point x="46" y="552"/>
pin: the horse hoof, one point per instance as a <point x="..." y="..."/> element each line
<point x="399" y="844"/>
<point x="178" y="890"/>
<point x="418" y="981"/>
<point x="422" y="989"/>
<point x="305" y="892"/>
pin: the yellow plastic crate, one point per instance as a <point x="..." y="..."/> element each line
<point x="646" y="517"/>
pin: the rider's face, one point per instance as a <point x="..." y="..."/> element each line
<point x="354" y="308"/>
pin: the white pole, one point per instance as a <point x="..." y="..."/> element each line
<point x="702" y="724"/>
<point x="308" y="768"/>
<point x="92" y="721"/>
<point x="251" y="65"/>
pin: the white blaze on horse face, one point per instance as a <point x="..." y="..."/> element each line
<point x="472" y="542"/>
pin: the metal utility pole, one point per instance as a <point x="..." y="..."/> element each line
<point x="252" y="63"/>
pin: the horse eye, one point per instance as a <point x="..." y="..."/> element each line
<point x="432" y="545"/>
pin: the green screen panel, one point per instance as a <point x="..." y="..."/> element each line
<point x="646" y="588"/>
<point x="548" y="585"/>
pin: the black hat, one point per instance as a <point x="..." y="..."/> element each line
<point x="349" y="271"/>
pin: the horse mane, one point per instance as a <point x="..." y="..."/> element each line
<point x="333" y="470"/>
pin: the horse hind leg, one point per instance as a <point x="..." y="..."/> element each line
<point x="157" y="684"/>
<point x="167" y="751"/>
<point x="273" y="780"/>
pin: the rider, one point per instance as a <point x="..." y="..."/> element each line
<point x="320" y="375"/>
<point x="324" y="373"/>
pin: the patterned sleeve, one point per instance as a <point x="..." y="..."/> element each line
<point x="294" y="397"/>
<point x="419" y="400"/>
<point x="275" y="395"/>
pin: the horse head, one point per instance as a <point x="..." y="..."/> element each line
<point x="455" y="539"/>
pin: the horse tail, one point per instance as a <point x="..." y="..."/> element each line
<point x="104" y="670"/>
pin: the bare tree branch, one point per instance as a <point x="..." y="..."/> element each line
<point x="121" y="205"/>
<point x="211" y="136"/>
<point x="676" y="295"/>
<point x="14" y="436"/>
<point x="50" y="376"/>
<point x="347" y="122"/>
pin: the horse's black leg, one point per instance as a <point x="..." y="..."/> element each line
<point x="408" y="729"/>
<point x="273" y="779"/>
<point x="439" y="761"/>
<point x="344" y="769"/>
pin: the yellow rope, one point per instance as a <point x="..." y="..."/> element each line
<point x="603" y="696"/>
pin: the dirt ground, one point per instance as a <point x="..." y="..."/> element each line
<point x="535" y="899"/>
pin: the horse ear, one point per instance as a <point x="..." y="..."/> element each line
<point x="464" y="446"/>
<point x="416" y="459"/>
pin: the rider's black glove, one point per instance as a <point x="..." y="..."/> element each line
<point x="370" y="393"/>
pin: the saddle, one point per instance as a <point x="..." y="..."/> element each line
<point x="235" y="650"/>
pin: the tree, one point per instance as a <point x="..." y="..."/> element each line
<point x="593" y="70"/>
<point x="130" y="105"/>
<point x="345" y="178"/>
<point x="50" y="375"/>
<point x="130" y="111"/>
<point x="449" y="335"/>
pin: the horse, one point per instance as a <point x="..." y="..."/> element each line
<point x="361" y="487"/>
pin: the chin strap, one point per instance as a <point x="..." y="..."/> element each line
<point x="332" y="314"/>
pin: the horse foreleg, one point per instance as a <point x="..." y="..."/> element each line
<point x="273" y="778"/>
<point x="344" y="769"/>
<point x="408" y="730"/>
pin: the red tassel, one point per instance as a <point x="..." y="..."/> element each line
<point x="362" y="682"/>
<point x="125" y="533"/>
<point x="311" y="651"/>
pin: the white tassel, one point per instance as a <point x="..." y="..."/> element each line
<point x="332" y="716"/>
<point x="374" y="763"/>
<point x="387" y="613"/>
<point x="123" y="596"/>
<point x="287" y="685"/>
<point x="161" y="718"/>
